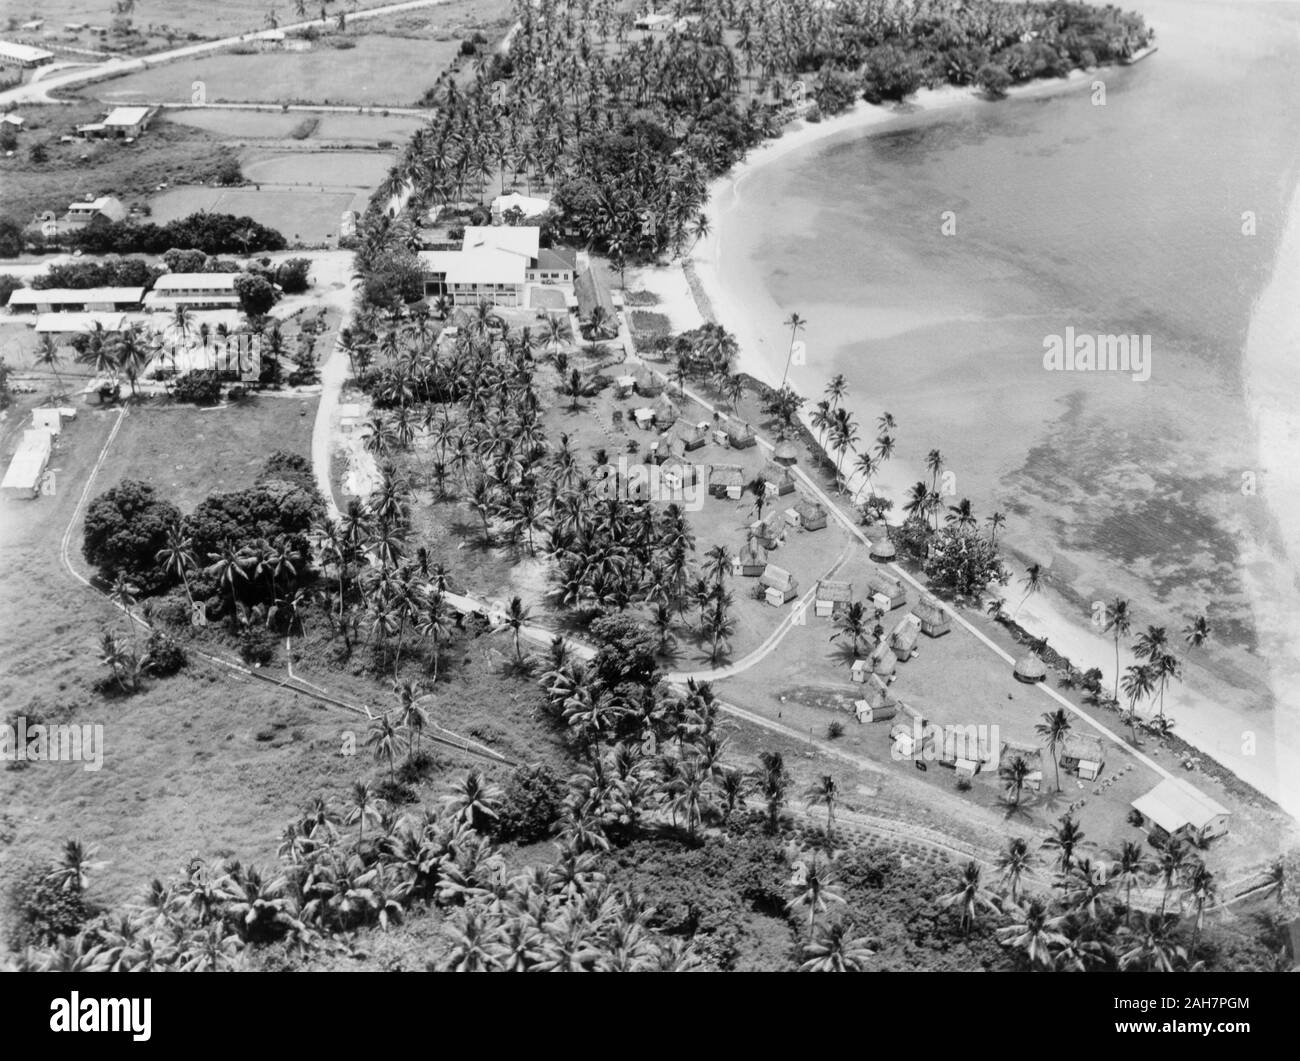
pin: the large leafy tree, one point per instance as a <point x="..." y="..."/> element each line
<point x="125" y="529"/>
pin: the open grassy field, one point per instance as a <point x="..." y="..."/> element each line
<point x="375" y="70"/>
<point x="278" y="125"/>
<point x="170" y="152"/>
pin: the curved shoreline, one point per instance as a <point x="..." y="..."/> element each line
<point x="1272" y="775"/>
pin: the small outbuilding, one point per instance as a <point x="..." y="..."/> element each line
<point x="903" y="640"/>
<point x="935" y="622"/>
<point x="723" y="478"/>
<point x="780" y="585"/>
<point x="751" y="561"/>
<point x="882" y="585"/>
<point x="648" y="385"/>
<point x="778" y="478"/>
<point x="23" y="477"/>
<point x="1082" y="754"/>
<point x="740" y="436"/>
<point x="770" y="530"/>
<point x="832" y="595"/>
<point x="812" y="516"/>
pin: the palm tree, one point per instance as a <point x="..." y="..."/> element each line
<point x="1153" y="947"/>
<point x="47" y="354"/>
<point x="796" y="324"/>
<point x="970" y="895"/>
<point x="934" y="464"/>
<point x="515" y="619"/>
<point x="177" y="556"/>
<point x="772" y="781"/>
<point x="122" y="593"/>
<point x="1176" y="858"/>
<point x="1067" y="839"/>
<point x="1131" y="868"/>
<point x="1013" y="863"/>
<point x="1016" y="775"/>
<point x="365" y="807"/>
<point x="1033" y="932"/>
<point x="995" y="521"/>
<point x="1032" y="582"/>
<point x="853" y="623"/>
<point x="815" y="890"/>
<point x="1053" y="729"/>
<point x="686" y="793"/>
<point x="824" y="792"/>
<point x="474" y="800"/>
<point x="758" y="487"/>
<point x="383" y="738"/>
<point x="833" y="949"/>
<point x="1118" y="624"/>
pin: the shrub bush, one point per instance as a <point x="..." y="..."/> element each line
<point x="201" y="387"/>
<point x="257" y="645"/>
<point x="531" y="806"/>
<point x="166" y="657"/>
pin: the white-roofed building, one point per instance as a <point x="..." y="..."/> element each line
<point x="86" y="211"/>
<point x="60" y="325"/>
<point x="23" y="56"/>
<point x="76" y="299"/>
<point x="494" y="264"/>
<point x="193" y="291"/>
<point x="23" y="477"/>
<point x="127" y="121"/>
<point x="1176" y="808"/>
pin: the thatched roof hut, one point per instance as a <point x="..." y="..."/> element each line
<point x="834" y="591"/>
<point x="883" y="660"/>
<point x="648" y="384"/>
<point x="774" y="577"/>
<point x="935" y="622"/>
<point x="691" y="436"/>
<point x="878" y="705"/>
<point x="740" y="436"/>
<point x="751" y="561"/>
<point x="665" y="412"/>
<point x="723" y="477"/>
<point x="778" y="476"/>
<point x="882" y="551"/>
<point x="1030" y="669"/>
<point x="786" y="453"/>
<point x="885" y="586"/>
<point x="902" y="642"/>
<point x="812" y="516"/>
<point x="1083" y="754"/>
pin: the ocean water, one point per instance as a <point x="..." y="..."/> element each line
<point x="1160" y="214"/>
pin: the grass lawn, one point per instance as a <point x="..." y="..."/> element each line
<point x="171" y="152"/>
<point x="376" y="70"/>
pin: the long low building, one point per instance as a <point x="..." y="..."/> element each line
<point x="23" y="56"/>
<point x="1176" y="808"/>
<point x="62" y="324"/>
<point x="76" y="300"/>
<point x="23" y="477"/>
<point x="193" y="291"/>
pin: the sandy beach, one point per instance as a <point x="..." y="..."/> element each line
<point x="1213" y="716"/>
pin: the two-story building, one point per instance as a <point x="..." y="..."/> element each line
<point x="193" y="291"/>
<point x="495" y="264"/>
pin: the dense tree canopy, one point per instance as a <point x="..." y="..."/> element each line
<point x="125" y="527"/>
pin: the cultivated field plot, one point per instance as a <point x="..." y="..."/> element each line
<point x="303" y="217"/>
<point x="377" y="70"/>
<point x="273" y="125"/>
